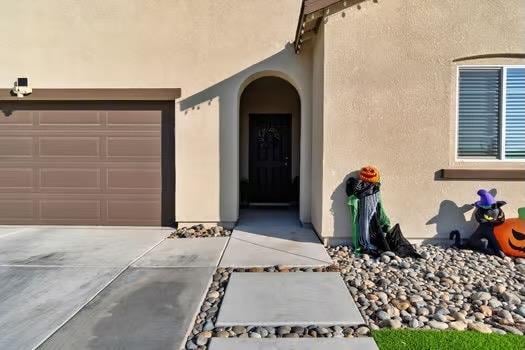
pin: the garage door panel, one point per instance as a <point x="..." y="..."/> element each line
<point x="140" y="210"/>
<point x="59" y="147"/>
<point x="16" y="211"/>
<point x="134" y="147"/>
<point x="69" y="119"/>
<point x="16" y="147"/>
<point x="70" y="210"/>
<point x="85" y="163"/>
<point x="134" y="119"/>
<point x="16" y="118"/>
<point x="59" y="179"/>
<point x="16" y="179"/>
<point x="133" y="180"/>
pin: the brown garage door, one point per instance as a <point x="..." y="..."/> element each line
<point x="86" y="163"/>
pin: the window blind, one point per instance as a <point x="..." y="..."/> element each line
<point x="515" y="113"/>
<point x="479" y="113"/>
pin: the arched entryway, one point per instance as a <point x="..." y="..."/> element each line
<point x="270" y="146"/>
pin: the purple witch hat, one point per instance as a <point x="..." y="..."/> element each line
<point x="486" y="200"/>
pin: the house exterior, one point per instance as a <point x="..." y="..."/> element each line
<point x="161" y="112"/>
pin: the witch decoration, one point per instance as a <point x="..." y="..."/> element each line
<point x="371" y="231"/>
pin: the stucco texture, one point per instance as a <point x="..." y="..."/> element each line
<point x="378" y="84"/>
<point x="389" y="100"/>
<point x="209" y="49"/>
<point x="318" y="205"/>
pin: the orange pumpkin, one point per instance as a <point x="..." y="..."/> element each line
<point x="511" y="237"/>
<point x="369" y="174"/>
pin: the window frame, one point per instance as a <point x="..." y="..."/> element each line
<point x="502" y="115"/>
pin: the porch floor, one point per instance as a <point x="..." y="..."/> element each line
<point x="269" y="236"/>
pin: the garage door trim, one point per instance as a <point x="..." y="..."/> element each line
<point x="153" y="94"/>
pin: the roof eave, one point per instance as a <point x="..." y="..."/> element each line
<point x="310" y="17"/>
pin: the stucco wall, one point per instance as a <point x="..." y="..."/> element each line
<point x="318" y="66"/>
<point x="269" y="95"/>
<point x="389" y="100"/>
<point x="210" y="49"/>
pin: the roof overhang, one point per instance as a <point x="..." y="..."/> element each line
<point x="310" y="18"/>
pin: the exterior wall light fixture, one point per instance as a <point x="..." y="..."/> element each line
<point x="21" y="88"/>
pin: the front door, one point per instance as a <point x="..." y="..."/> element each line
<point x="270" y="158"/>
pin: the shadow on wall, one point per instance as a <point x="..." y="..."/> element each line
<point x="339" y="209"/>
<point x="225" y="94"/>
<point x="451" y="217"/>
<point x="341" y="6"/>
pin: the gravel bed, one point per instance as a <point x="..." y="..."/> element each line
<point x="447" y="289"/>
<point x="199" y="231"/>
<point x="204" y="327"/>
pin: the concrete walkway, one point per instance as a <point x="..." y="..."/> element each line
<point x="294" y="344"/>
<point x="288" y="299"/>
<point x="101" y="288"/>
<point x="131" y="288"/>
<point x="267" y="237"/>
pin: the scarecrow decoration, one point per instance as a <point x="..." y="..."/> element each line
<point x="371" y="232"/>
<point x="489" y="215"/>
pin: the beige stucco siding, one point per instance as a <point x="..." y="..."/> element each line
<point x="378" y="83"/>
<point x="318" y="66"/>
<point x="209" y="49"/>
<point x="389" y="100"/>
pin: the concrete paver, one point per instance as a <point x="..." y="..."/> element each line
<point x="34" y="301"/>
<point x="299" y="299"/>
<point x="185" y="253"/>
<point x="94" y="246"/>
<point x="11" y="230"/>
<point x="273" y="237"/>
<point x="49" y="273"/>
<point x="143" y="308"/>
<point x="293" y="344"/>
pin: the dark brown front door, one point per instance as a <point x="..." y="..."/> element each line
<point x="270" y="158"/>
<point x="86" y="163"/>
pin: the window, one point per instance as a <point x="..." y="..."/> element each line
<point x="491" y="113"/>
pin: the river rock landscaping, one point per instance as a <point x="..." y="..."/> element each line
<point x="200" y="231"/>
<point x="204" y="326"/>
<point x="446" y="289"/>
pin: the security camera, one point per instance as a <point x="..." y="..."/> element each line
<point x="21" y="88"/>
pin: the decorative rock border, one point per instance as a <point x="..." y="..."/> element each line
<point x="204" y="326"/>
<point x="199" y="231"/>
<point x="447" y="289"/>
<point x="284" y="268"/>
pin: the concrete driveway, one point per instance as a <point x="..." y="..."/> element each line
<point x="100" y="288"/>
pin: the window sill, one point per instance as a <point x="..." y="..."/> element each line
<point x="482" y="174"/>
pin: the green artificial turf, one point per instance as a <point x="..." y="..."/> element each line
<point x="388" y="339"/>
